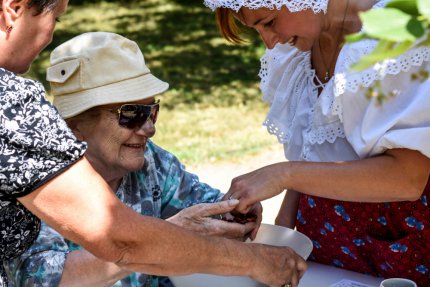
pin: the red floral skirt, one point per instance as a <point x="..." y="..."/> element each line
<point x="380" y="239"/>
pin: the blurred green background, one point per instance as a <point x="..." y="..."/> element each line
<point x="212" y="111"/>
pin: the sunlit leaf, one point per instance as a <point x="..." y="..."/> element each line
<point x="356" y="37"/>
<point x="424" y="8"/>
<point x="391" y="24"/>
<point x="407" y="6"/>
<point x="426" y="41"/>
<point x="415" y="27"/>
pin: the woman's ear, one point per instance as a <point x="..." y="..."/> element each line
<point x="11" y="10"/>
<point x="74" y="126"/>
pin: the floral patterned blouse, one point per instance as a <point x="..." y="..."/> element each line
<point x="36" y="145"/>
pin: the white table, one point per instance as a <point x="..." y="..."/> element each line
<point x="319" y="275"/>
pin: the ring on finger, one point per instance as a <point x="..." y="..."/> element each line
<point x="287" y="285"/>
<point x="230" y="197"/>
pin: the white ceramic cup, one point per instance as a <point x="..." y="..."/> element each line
<point x="398" y="282"/>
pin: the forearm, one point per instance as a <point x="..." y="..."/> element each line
<point x="398" y="175"/>
<point x="288" y="211"/>
<point x="88" y="213"/>
<point x="173" y="250"/>
<point x="84" y="269"/>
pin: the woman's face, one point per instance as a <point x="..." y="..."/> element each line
<point x="299" y="29"/>
<point x="31" y="34"/>
<point x="112" y="149"/>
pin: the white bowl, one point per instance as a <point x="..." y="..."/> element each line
<point x="267" y="234"/>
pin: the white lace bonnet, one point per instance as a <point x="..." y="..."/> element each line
<point x="292" y="5"/>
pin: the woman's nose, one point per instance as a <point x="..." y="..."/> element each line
<point x="269" y="38"/>
<point x="147" y="129"/>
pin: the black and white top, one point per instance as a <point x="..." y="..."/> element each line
<point x="35" y="146"/>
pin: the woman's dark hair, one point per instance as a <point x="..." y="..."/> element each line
<point x="43" y="5"/>
<point x="228" y="26"/>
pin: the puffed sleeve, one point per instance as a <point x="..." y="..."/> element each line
<point x="402" y="120"/>
<point x="42" y="264"/>
<point x="35" y="142"/>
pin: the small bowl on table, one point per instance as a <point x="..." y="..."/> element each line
<point x="267" y="234"/>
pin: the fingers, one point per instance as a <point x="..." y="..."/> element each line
<point x="301" y="267"/>
<point x="256" y="209"/>
<point x="231" y="229"/>
<point x="299" y="270"/>
<point x="220" y="207"/>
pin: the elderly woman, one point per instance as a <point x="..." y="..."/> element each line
<point x="44" y="175"/>
<point x="358" y="171"/>
<point x="117" y="126"/>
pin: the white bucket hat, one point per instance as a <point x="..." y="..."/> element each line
<point x="99" y="68"/>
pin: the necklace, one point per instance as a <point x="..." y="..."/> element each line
<point x="327" y="73"/>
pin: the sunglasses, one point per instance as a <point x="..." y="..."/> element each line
<point x="132" y="116"/>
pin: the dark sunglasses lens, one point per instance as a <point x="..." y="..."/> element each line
<point x="132" y="116"/>
<point x="154" y="113"/>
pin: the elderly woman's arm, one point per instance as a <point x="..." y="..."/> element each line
<point x="51" y="261"/>
<point x="186" y="201"/>
<point x="80" y="205"/>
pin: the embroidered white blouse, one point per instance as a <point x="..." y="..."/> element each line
<point x="341" y="124"/>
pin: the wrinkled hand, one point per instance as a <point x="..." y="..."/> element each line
<point x="255" y="212"/>
<point x="256" y="186"/>
<point x="276" y="266"/>
<point x="199" y="218"/>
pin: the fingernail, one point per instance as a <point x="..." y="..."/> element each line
<point x="233" y="201"/>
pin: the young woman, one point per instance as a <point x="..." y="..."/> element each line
<point x="357" y="171"/>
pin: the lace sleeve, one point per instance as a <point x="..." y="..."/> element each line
<point x="402" y="120"/>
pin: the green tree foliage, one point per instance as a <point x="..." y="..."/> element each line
<point x="181" y="44"/>
<point x="399" y="26"/>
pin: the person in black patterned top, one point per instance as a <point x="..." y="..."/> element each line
<point x="43" y="174"/>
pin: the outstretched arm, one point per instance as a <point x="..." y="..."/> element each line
<point x="80" y="205"/>
<point x="52" y="261"/>
<point x="396" y="175"/>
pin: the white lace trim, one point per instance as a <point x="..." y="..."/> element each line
<point x="282" y="86"/>
<point x="352" y="82"/>
<point x="293" y="5"/>
<point x="324" y="126"/>
<point x="285" y="72"/>
<point x="328" y="133"/>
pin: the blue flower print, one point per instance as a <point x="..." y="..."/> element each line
<point x="348" y="252"/>
<point x="389" y="265"/>
<point x="386" y="266"/>
<point x="398" y="248"/>
<point x="413" y="222"/>
<point x="341" y="212"/>
<point x="300" y="217"/>
<point x="358" y="242"/>
<point x="311" y="202"/>
<point x="329" y="227"/>
<point x="337" y="263"/>
<point x="316" y="244"/>
<point x="323" y="231"/>
<point x="424" y="200"/>
<point x="382" y="220"/>
<point x="369" y="239"/>
<point x="422" y="269"/>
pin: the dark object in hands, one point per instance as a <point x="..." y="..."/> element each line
<point x="241" y="218"/>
